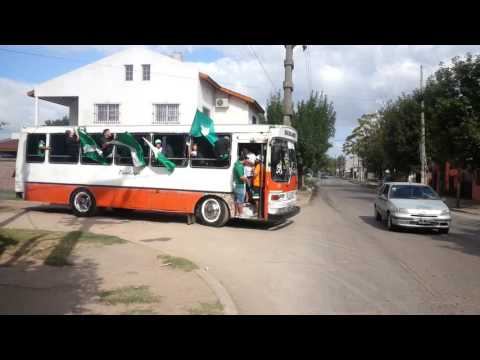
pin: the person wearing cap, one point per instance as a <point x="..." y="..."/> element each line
<point x="158" y="144"/>
<point x="256" y="182"/>
<point x="239" y="183"/>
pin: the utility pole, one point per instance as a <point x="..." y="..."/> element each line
<point x="423" y="156"/>
<point x="288" y="86"/>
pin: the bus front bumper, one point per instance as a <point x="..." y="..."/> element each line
<point x="283" y="213"/>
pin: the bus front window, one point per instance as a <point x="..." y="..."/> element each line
<point x="283" y="160"/>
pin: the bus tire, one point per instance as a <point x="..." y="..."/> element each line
<point x="83" y="203"/>
<point x="213" y="211"/>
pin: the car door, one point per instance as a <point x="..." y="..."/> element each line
<point x="383" y="200"/>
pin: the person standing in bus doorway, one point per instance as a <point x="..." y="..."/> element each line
<point x="248" y="169"/>
<point x="256" y="182"/>
<point x="107" y="148"/>
<point x="239" y="184"/>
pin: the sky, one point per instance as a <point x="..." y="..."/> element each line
<point x="357" y="79"/>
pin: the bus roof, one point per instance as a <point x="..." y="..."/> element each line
<point x="261" y="128"/>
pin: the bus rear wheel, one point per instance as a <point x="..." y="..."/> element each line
<point x="83" y="203"/>
<point x="213" y="211"/>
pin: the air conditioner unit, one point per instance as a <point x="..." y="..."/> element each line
<point x="221" y="102"/>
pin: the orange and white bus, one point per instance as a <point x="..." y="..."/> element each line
<point x="201" y="186"/>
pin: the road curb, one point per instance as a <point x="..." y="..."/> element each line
<point x="222" y="294"/>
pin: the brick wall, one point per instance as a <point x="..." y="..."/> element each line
<point x="7" y="167"/>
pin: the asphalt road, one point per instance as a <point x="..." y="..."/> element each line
<point x="332" y="258"/>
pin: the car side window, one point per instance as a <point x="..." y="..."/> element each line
<point x="385" y="190"/>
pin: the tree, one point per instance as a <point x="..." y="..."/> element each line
<point x="452" y="100"/>
<point x="275" y="109"/>
<point x="58" y="122"/>
<point x="314" y="120"/>
<point x="366" y="141"/>
<point x="400" y="123"/>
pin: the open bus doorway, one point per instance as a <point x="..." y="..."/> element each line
<point x="254" y="202"/>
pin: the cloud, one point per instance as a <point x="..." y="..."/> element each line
<point x="18" y="109"/>
<point x="358" y="79"/>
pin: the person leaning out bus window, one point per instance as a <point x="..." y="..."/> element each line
<point x="41" y="147"/>
<point x="71" y="145"/>
<point x="107" y="148"/>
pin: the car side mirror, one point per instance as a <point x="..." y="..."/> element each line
<point x="444" y="199"/>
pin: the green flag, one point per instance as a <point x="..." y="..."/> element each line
<point x="136" y="151"/>
<point x="169" y="165"/>
<point x="90" y="148"/>
<point x="203" y="126"/>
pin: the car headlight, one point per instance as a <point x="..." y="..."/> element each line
<point x="401" y="210"/>
<point x="445" y="212"/>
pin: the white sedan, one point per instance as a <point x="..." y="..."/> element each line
<point x="411" y="205"/>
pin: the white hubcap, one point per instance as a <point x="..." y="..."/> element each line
<point x="211" y="210"/>
<point x="82" y="202"/>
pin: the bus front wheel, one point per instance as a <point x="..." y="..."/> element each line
<point x="213" y="211"/>
<point x="83" y="203"/>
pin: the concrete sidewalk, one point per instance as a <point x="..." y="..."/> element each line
<point x="63" y="290"/>
<point x="466" y="206"/>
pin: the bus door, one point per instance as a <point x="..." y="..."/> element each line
<point x="257" y="146"/>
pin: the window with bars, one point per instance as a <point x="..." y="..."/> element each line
<point x="107" y="114"/>
<point x="146" y="72"/>
<point x="166" y="113"/>
<point x="128" y="72"/>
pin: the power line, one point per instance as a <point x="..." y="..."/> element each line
<point x="261" y="65"/>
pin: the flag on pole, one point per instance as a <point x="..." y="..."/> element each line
<point x="203" y="126"/>
<point x="126" y="139"/>
<point x="169" y="165"/>
<point x="90" y="148"/>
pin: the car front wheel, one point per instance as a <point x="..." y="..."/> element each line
<point x="390" y="224"/>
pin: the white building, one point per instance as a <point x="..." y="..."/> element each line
<point x="139" y="86"/>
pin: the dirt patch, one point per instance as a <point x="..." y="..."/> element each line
<point x="123" y="278"/>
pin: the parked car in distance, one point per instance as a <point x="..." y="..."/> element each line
<point x="411" y="205"/>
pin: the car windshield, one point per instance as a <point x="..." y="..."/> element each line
<point x="413" y="192"/>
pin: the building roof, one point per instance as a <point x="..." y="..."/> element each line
<point x="8" y="145"/>
<point x="245" y="98"/>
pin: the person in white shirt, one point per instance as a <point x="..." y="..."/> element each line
<point x="249" y="173"/>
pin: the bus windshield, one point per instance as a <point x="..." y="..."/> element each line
<point x="283" y="160"/>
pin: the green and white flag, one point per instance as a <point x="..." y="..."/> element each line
<point x="169" y="165"/>
<point x="126" y="139"/>
<point x="90" y="148"/>
<point x="203" y="126"/>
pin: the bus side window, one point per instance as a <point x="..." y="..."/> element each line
<point x="35" y="148"/>
<point x="86" y="160"/>
<point x="123" y="155"/>
<point x="212" y="156"/>
<point x="174" y="147"/>
<point x="63" y="150"/>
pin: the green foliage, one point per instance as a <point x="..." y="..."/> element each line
<point x="274" y="109"/>
<point x="58" y="122"/>
<point x="128" y="295"/>
<point x="452" y="104"/>
<point x="314" y="121"/>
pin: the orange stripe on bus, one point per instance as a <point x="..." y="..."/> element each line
<point x="118" y="197"/>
